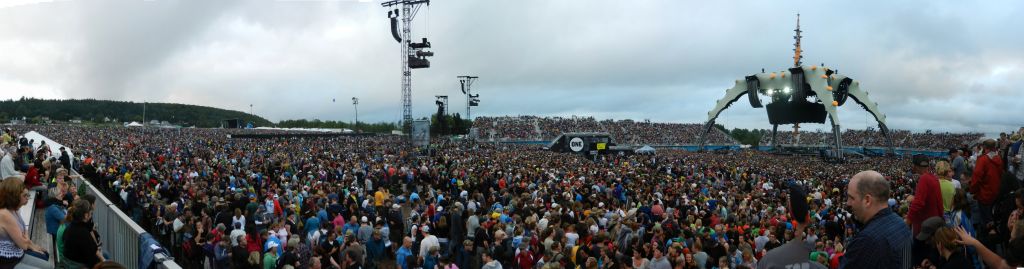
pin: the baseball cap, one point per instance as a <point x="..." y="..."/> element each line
<point x="928" y="228"/>
<point x="919" y="160"/>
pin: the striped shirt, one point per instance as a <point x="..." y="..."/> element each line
<point x="9" y="249"/>
<point x="883" y="242"/>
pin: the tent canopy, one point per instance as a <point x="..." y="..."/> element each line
<point x="645" y="149"/>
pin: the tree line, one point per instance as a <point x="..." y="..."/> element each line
<point x="34" y="110"/>
<point x="747" y="137"/>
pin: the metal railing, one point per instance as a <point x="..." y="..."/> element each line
<point x="119" y="235"/>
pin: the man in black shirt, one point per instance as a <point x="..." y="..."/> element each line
<point x="239" y="255"/>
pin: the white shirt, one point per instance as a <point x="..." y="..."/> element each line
<point x="235" y="235"/>
<point x="282" y="234"/>
<point x="429" y="241"/>
<point x="7" y="167"/>
<point x="571" y="239"/>
<point x="240" y="220"/>
<point x="177" y="224"/>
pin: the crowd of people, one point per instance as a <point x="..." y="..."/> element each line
<point x="30" y="166"/>
<point x="520" y="128"/>
<point x="376" y="202"/>
<point x="873" y="138"/>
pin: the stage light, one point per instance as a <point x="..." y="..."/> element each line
<point x="787" y="90"/>
<point x="770" y="91"/>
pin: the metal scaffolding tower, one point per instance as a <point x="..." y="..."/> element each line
<point x="413" y="55"/>
<point x="471" y="99"/>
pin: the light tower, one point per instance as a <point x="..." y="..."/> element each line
<point x="355" y="105"/>
<point x="471" y="99"/>
<point x="413" y="54"/>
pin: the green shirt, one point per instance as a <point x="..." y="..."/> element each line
<point x="269" y="260"/>
<point x="60" y="242"/>
<point x="947" y="189"/>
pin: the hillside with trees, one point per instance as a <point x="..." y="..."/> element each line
<point x="102" y="111"/>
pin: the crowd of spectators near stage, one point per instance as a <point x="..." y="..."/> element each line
<point x="377" y="202"/>
<point x="533" y="128"/>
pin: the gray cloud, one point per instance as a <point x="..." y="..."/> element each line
<point x="121" y="40"/>
<point x="939" y="66"/>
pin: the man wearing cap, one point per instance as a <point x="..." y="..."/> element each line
<point x="883" y="241"/>
<point x="985" y="181"/>
<point x="270" y="257"/>
<point x="365" y="231"/>
<point x="927" y="197"/>
<point x="429" y="240"/>
<point x="795" y="253"/>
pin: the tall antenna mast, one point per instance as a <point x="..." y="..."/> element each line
<point x="797" y="52"/>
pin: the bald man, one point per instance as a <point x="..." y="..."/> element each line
<point x="884" y="239"/>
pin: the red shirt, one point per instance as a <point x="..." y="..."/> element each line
<point x="525" y="259"/>
<point x="986" y="177"/>
<point x="927" y="201"/>
<point x="32" y="177"/>
<point x="253" y="244"/>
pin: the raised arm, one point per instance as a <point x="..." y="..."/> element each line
<point x="991" y="258"/>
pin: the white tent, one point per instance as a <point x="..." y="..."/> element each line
<point x="645" y="150"/>
<point x="133" y="124"/>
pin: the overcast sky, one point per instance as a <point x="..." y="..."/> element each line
<point x="939" y="65"/>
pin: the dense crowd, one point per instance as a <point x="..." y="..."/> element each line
<point x="874" y="138"/>
<point x="376" y="202"/>
<point x="519" y="128"/>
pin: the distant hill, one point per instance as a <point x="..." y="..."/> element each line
<point x="91" y="110"/>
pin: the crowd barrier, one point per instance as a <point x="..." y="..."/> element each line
<point x="122" y="239"/>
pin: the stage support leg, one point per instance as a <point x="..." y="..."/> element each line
<point x="775" y="130"/>
<point x="838" y="144"/>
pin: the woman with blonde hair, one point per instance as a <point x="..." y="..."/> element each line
<point x="254" y="260"/>
<point x="945" y="174"/>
